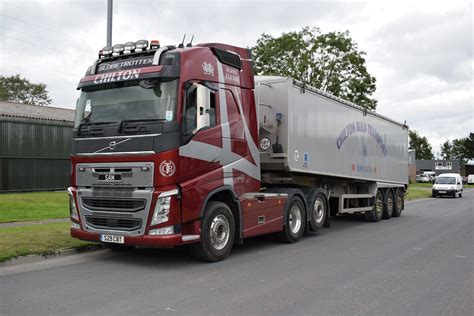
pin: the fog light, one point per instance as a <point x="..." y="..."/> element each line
<point x="162" y="231"/>
<point x="75" y="225"/>
<point x="72" y="206"/>
<point x="162" y="207"/>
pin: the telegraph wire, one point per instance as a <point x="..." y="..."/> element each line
<point x="28" y="42"/>
<point x="40" y="26"/>
<point x="28" y="34"/>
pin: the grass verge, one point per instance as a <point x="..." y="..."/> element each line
<point x="33" y="206"/>
<point x="37" y="239"/>
<point x="418" y="191"/>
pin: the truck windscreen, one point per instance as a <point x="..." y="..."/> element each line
<point x="125" y="101"/>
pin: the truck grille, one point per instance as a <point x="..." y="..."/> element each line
<point x="114" y="205"/>
<point x="112" y="192"/>
<point x="113" y="223"/>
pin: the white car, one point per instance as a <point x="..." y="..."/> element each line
<point x="423" y="178"/>
<point x="448" y="184"/>
<point x="470" y="179"/>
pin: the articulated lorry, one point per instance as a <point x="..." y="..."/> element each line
<point x="184" y="146"/>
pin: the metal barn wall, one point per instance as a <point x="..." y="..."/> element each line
<point x="34" y="155"/>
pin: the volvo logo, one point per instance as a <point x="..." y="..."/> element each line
<point x="112" y="145"/>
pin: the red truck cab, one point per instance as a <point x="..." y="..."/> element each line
<point x="165" y="151"/>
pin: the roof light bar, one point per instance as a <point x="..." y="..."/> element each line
<point x="141" y="45"/>
<point x="129" y="47"/>
<point x="118" y="49"/>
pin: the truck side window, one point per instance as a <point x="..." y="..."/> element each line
<point x="212" y="110"/>
<point x="190" y="111"/>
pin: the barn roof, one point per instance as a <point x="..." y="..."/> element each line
<point x="26" y="111"/>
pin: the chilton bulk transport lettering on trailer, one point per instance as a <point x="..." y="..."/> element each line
<point x="182" y="145"/>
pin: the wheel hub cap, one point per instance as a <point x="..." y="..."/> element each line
<point x="219" y="232"/>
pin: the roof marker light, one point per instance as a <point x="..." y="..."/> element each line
<point x="154" y="44"/>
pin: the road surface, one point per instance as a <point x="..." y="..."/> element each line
<point x="418" y="264"/>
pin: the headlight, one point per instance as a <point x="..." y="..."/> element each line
<point x="162" y="207"/>
<point x="72" y="206"/>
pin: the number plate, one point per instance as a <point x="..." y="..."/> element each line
<point x="112" y="239"/>
<point x="110" y="177"/>
<point x="441" y="192"/>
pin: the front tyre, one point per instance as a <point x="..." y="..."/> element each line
<point x="217" y="233"/>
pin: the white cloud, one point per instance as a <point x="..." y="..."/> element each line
<point x="420" y="52"/>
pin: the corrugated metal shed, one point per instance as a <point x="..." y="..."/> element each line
<point x="35" y="145"/>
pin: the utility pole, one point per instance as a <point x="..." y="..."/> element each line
<point x="109" y="22"/>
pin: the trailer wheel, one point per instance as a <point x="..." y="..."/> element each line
<point x="317" y="209"/>
<point x="376" y="214"/>
<point x="295" y="219"/>
<point x="389" y="206"/>
<point x="217" y="233"/>
<point x="397" y="211"/>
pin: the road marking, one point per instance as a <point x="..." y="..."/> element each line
<point x="459" y="256"/>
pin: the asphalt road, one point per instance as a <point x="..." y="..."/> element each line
<point x="418" y="264"/>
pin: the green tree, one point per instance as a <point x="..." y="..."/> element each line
<point x="446" y="150"/>
<point x="330" y="62"/>
<point x="463" y="148"/>
<point x="20" y="90"/>
<point x="423" y="149"/>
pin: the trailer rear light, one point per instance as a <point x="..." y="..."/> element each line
<point x="154" y="44"/>
<point x="169" y="230"/>
<point x="117" y="49"/>
<point x="141" y="45"/>
<point x="129" y="47"/>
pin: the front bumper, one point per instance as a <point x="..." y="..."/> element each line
<point x="166" y="241"/>
<point x="444" y="192"/>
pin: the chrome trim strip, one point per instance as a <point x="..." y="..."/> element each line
<point x="189" y="237"/>
<point x="150" y="152"/>
<point x="168" y="193"/>
<point x="115" y="137"/>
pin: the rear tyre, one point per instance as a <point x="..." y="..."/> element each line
<point x="317" y="209"/>
<point x="376" y="214"/>
<point x="399" y="201"/>
<point x="294" y="222"/>
<point x="389" y="206"/>
<point x="217" y="233"/>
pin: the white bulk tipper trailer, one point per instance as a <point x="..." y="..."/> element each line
<point x="311" y="139"/>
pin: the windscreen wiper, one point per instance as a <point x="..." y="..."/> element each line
<point x="91" y="124"/>
<point x="122" y="123"/>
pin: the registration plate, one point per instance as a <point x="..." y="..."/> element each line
<point x="110" y="177"/>
<point x="112" y="239"/>
<point x="441" y="192"/>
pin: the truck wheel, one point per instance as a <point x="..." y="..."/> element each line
<point x="389" y="207"/>
<point x="317" y="209"/>
<point x="376" y="214"/>
<point x="295" y="219"/>
<point x="217" y="233"/>
<point x="398" y="203"/>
